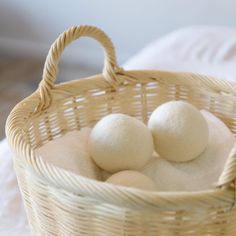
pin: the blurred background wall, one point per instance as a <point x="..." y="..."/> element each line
<point x="28" y="27"/>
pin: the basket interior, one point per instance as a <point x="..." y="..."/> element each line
<point x="138" y="100"/>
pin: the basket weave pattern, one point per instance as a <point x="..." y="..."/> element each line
<point x="61" y="203"/>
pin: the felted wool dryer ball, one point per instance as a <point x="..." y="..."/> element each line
<point x="70" y="152"/>
<point x="134" y="179"/>
<point x="179" y="130"/>
<point x="201" y="173"/>
<point x="120" y="142"/>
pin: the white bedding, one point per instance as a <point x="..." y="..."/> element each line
<point x="204" y="50"/>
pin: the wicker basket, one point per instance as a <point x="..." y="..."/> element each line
<point x="62" y="203"/>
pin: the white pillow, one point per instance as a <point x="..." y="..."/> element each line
<point x="204" y="50"/>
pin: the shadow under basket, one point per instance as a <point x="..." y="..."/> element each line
<point x="61" y="203"/>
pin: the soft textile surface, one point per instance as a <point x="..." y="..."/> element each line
<point x="12" y="216"/>
<point x="203" y="50"/>
<point x="71" y="153"/>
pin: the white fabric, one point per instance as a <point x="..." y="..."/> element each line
<point x="12" y="216"/>
<point x="203" y="50"/>
<point x="71" y="153"/>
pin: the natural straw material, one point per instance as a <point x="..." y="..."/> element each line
<point x="61" y="203"/>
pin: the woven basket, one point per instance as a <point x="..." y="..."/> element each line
<point x="61" y="203"/>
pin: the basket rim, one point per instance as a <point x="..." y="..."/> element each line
<point x="108" y="193"/>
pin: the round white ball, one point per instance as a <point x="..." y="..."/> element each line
<point x="179" y="130"/>
<point x="134" y="179"/>
<point x="120" y="142"/>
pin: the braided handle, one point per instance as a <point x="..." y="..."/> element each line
<point x="229" y="172"/>
<point x="51" y="64"/>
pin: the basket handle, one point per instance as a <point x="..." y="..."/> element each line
<point x="51" y="64"/>
<point x="229" y="172"/>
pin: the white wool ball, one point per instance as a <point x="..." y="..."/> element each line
<point x="134" y="179"/>
<point x="179" y="130"/>
<point x="203" y="172"/>
<point x="119" y="142"/>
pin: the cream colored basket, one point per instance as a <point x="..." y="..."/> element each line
<point x="60" y="203"/>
